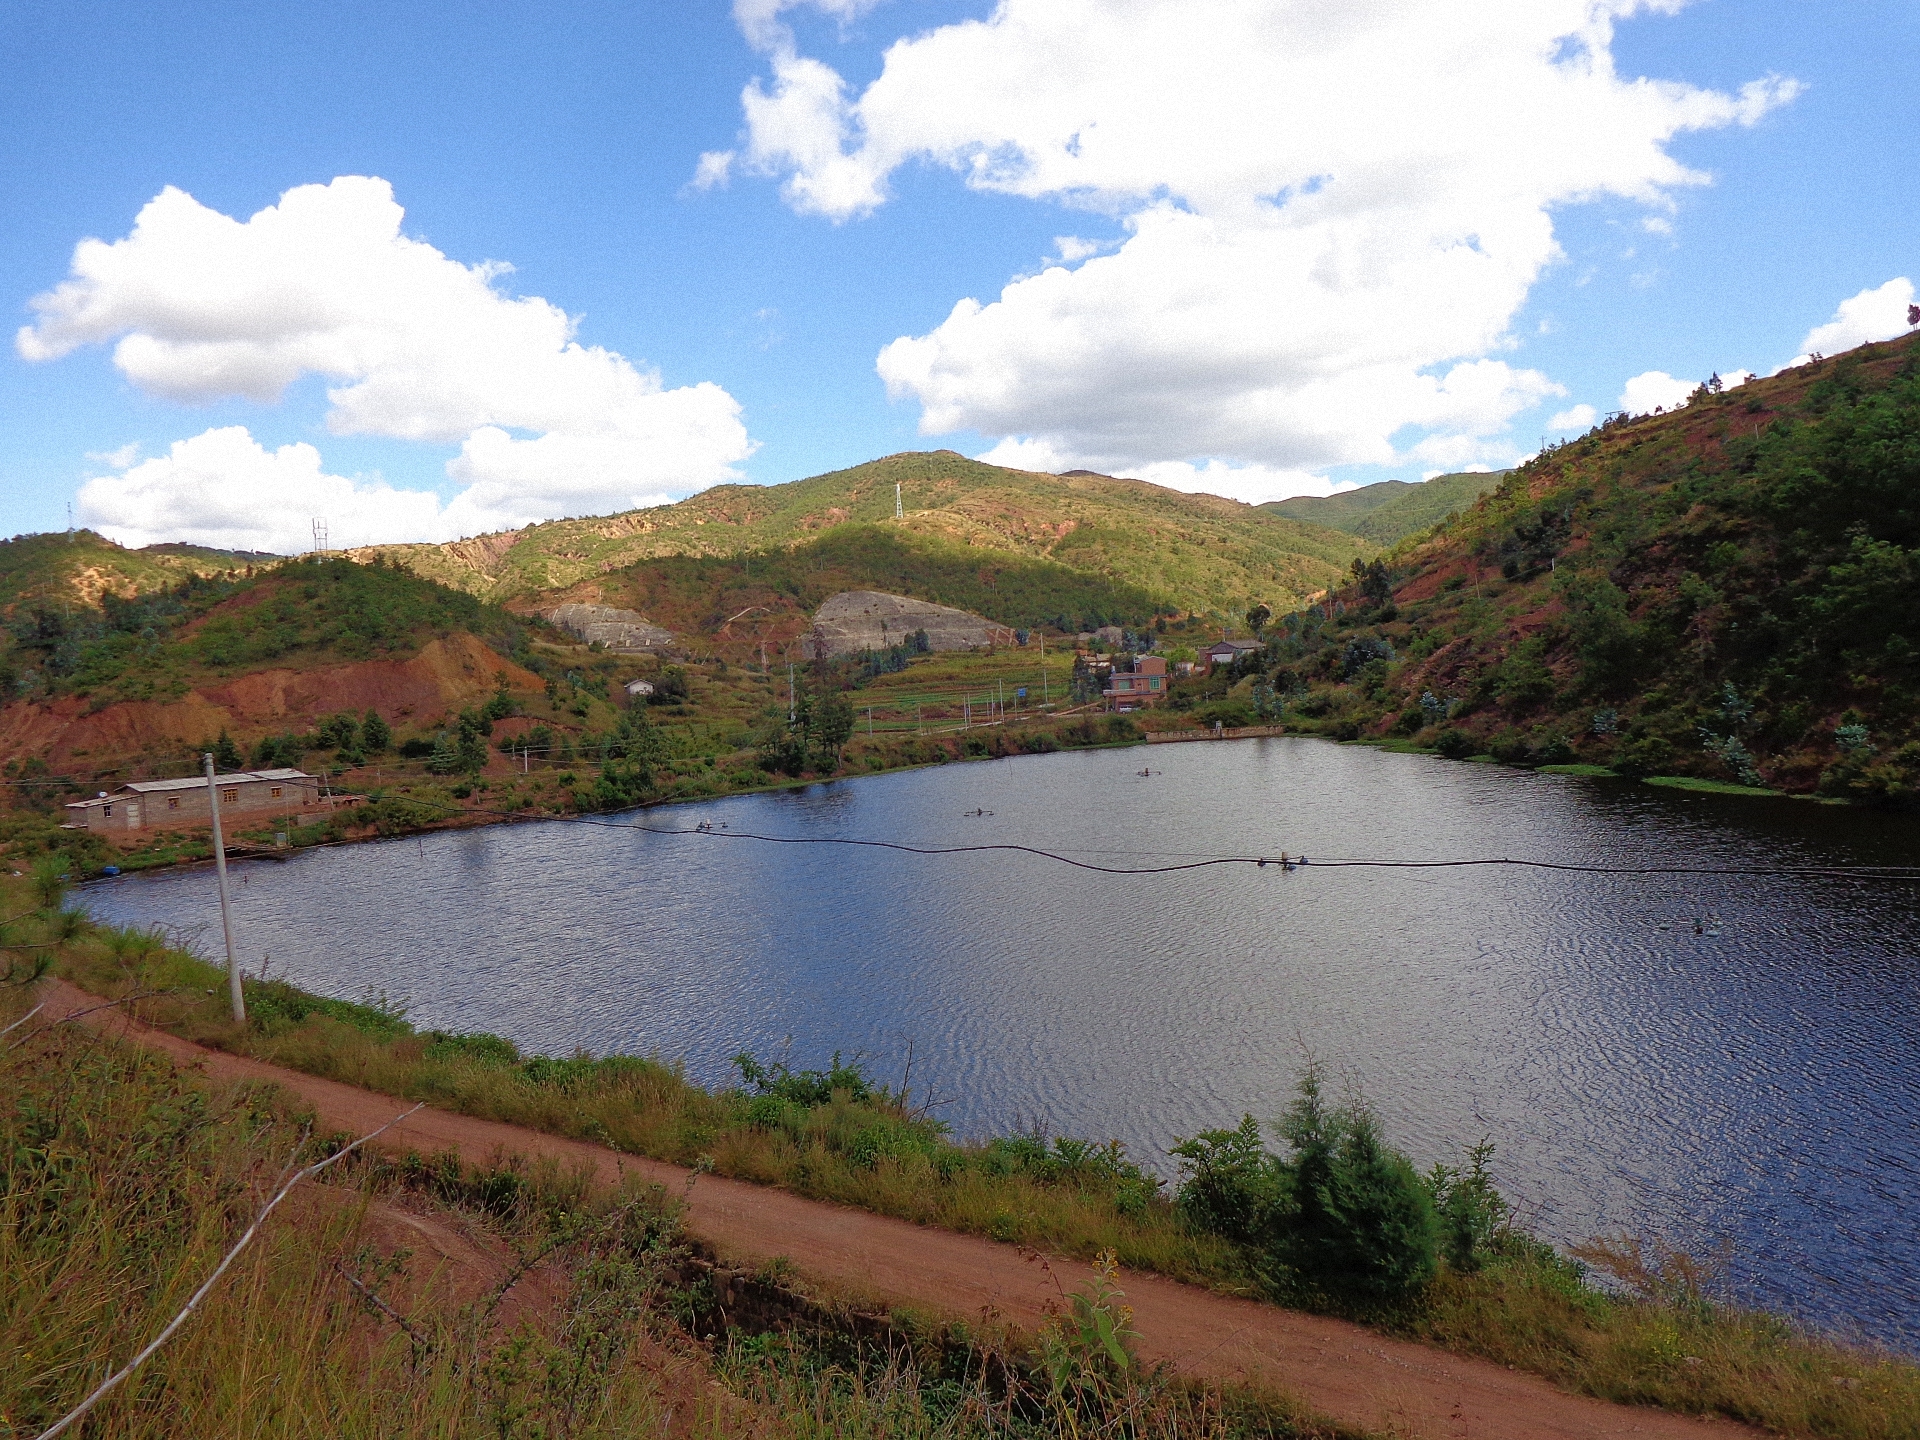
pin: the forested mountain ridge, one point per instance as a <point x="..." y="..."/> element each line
<point x="1391" y="510"/>
<point x="1731" y="590"/>
<point x="1191" y="552"/>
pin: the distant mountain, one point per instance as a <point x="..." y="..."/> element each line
<point x="1388" y="512"/>
<point x="1730" y="590"/>
<point x="1188" y="552"/>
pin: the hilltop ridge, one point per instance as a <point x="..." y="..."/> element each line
<point x="1391" y="510"/>
<point x="1729" y="590"/>
<point x="1191" y="552"/>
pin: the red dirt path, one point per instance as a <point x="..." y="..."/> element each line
<point x="1343" y="1371"/>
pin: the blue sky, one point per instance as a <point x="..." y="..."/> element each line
<point x="1293" y="257"/>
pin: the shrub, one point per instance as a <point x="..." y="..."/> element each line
<point x="1342" y="1219"/>
<point x="1510" y="748"/>
<point x="490" y="1049"/>
<point x="1891" y="782"/>
<point x="1455" y="744"/>
<point x="806" y="1088"/>
<point x="1230" y="713"/>
<point x="1227" y="1182"/>
<point x="276" y="1006"/>
<point x="775" y="1112"/>
<point x="1352" y="1220"/>
<point x="1644" y="755"/>
<point x="1473" y="1216"/>
<point x="1552" y="749"/>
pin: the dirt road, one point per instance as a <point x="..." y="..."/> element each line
<point x="1341" y="1370"/>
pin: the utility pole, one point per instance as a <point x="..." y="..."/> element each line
<point x="869" y="722"/>
<point x="1045" y="698"/>
<point x="226" y="912"/>
<point x="791" y="710"/>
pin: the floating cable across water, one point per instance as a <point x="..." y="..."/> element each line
<point x="1285" y="860"/>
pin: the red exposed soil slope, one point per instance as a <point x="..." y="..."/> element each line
<point x="446" y="674"/>
<point x="1346" y="1372"/>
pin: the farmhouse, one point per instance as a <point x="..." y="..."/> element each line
<point x="247" y="795"/>
<point x="1226" y="652"/>
<point x="1146" y="685"/>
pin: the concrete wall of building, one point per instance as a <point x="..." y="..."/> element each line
<point x="240" y="802"/>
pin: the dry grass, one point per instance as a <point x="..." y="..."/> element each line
<point x="1659" y="1340"/>
<point x="421" y="1299"/>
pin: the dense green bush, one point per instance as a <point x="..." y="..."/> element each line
<point x="1342" y="1219"/>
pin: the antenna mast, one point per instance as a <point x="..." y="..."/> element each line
<point x="320" y="536"/>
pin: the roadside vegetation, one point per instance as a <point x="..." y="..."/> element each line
<point x="1315" y="1210"/>
<point x="425" y="1298"/>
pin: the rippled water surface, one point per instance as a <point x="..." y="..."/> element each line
<point x="1753" y="1089"/>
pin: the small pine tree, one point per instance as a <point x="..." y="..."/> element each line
<point x="375" y="734"/>
<point x="446" y="755"/>
<point x="1354" y="1221"/>
<point x="470" y="753"/>
<point x="226" y="754"/>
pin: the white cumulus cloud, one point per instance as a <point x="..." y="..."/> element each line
<point x="1576" y="417"/>
<point x="1877" y="314"/>
<point x="223" y="488"/>
<point x="1327" y="216"/>
<point x="419" y="347"/>
<point x="1655" y="390"/>
<point x="1255" y="484"/>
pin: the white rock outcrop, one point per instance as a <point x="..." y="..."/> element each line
<point x="626" y="631"/>
<point x="857" y="620"/>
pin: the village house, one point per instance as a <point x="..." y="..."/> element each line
<point x="1146" y="685"/>
<point x="247" y="795"/>
<point x="1225" y="652"/>
<point x="639" y="691"/>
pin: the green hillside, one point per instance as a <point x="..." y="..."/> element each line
<point x="78" y="568"/>
<point x="1392" y="510"/>
<point x="1729" y="591"/>
<point x="694" y="595"/>
<point x="1191" y="552"/>
<point x="303" y="612"/>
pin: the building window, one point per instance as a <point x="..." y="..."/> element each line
<point x="108" y="812"/>
<point x="229" y="794"/>
<point x="274" y="793"/>
<point x="173" y="802"/>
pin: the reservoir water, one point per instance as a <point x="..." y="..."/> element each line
<point x="1747" y="1086"/>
